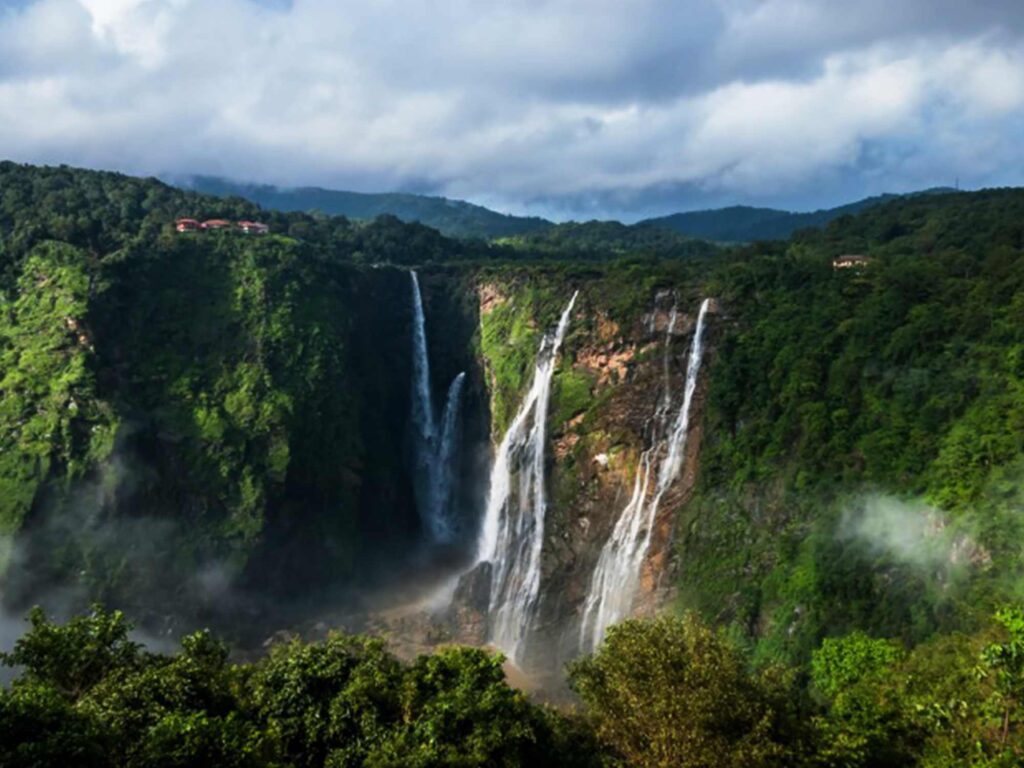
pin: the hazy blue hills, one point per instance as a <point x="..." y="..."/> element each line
<point x="742" y="223"/>
<point x="458" y="218"/>
<point x="454" y="218"/>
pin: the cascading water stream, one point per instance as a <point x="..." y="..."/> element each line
<point x="614" y="584"/>
<point x="434" y="454"/>
<point x="422" y="405"/>
<point x="512" y="534"/>
<point x="447" y="455"/>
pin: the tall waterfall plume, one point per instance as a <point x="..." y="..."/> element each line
<point x="615" y="580"/>
<point x="447" y="456"/>
<point x="434" y="453"/>
<point x="512" y="534"/>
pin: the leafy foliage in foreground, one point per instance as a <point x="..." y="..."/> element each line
<point x="668" y="693"/>
<point x="672" y="693"/>
<point x="88" y="696"/>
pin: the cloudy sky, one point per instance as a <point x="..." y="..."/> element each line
<point x="568" y="108"/>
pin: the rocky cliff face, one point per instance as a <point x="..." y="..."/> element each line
<point x="259" y="403"/>
<point x="253" y="399"/>
<point x="608" y="385"/>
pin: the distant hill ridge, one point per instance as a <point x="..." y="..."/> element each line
<point x="458" y="218"/>
<point x="454" y="218"/>
<point x="742" y="223"/>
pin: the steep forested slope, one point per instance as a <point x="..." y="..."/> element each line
<point x="865" y="428"/>
<point x="862" y="428"/>
<point x="181" y="411"/>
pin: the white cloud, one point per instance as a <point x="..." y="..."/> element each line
<point x="524" y="100"/>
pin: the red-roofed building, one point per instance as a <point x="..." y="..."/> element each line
<point x="253" y="227"/>
<point x="216" y="224"/>
<point x="186" y="225"/>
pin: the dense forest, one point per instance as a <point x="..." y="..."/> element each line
<point x="182" y="410"/>
<point x="179" y="401"/>
<point x="668" y="692"/>
<point x="866" y="429"/>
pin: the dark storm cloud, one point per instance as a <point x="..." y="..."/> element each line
<point x="573" y="107"/>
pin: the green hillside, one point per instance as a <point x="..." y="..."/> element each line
<point x="854" y="410"/>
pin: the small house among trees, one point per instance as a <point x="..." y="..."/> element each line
<point x="850" y="261"/>
<point x="253" y="227"/>
<point x="248" y="227"/>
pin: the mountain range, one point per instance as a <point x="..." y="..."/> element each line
<point x="454" y="218"/>
<point x="458" y="218"/>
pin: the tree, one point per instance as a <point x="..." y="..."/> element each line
<point x="457" y="710"/>
<point x="867" y="722"/>
<point x="841" y="662"/>
<point x="40" y="728"/>
<point x="75" y="657"/>
<point x="1004" y="662"/>
<point x="327" y="703"/>
<point x="178" y="711"/>
<point x="672" y="692"/>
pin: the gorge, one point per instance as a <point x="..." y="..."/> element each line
<point x="320" y="427"/>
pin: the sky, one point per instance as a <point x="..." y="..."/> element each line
<point x="562" y="108"/>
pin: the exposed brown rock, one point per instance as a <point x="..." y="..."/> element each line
<point x="607" y="329"/>
<point x="591" y="471"/>
<point x="490" y="297"/>
<point x="610" y="362"/>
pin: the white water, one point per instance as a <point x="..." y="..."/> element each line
<point x="614" y="584"/>
<point x="434" y="455"/>
<point x="512" y="534"/>
<point x="447" y="455"/>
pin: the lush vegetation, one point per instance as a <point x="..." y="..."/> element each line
<point x="89" y="696"/>
<point x="596" y="239"/>
<point x="668" y="694"/>
<point x="863" y="439"/>
<point x="172" y="405"/>
<point x="179" y="411"/>
<point x="105" y="212"/>
<point x="861" y="461"/>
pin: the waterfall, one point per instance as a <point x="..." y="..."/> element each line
<point x="616" y="578"/>
<point x="434" y="455"/>
<point x="512" y="534"/>
<point x="447" y="455"/>
<point x="422" y="406"/>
